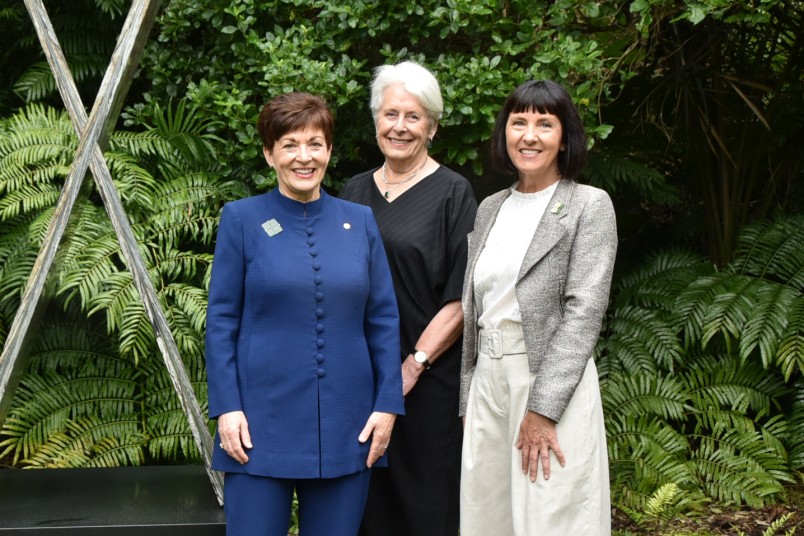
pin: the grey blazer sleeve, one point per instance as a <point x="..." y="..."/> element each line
<point x="564" y="297"/>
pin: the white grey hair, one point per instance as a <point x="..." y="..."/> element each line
<point x="416" y="80"/>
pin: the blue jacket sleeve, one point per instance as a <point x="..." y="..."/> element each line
<point x="382" y="327"/>
<point x="226" y="293"/>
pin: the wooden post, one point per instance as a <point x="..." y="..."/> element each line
<point x="93" y="134"/>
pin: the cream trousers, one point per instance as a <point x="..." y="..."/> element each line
<point x="497" y="499"/>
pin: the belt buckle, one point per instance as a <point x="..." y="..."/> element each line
<point x="494" y="343"/>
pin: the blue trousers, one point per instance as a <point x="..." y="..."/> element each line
<point x="261" y="506"/>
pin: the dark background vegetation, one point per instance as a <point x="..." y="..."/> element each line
<point x="694" y="110"/>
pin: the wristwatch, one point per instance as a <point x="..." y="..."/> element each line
<point x="421" y="358"/>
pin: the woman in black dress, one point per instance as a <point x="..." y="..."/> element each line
<point x="424" y="212"/>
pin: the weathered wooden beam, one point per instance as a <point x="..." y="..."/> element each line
<point x="93" y="132"/>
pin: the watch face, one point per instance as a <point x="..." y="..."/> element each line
<point x="420" y="357"/>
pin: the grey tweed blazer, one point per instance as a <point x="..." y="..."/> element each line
<point x="562" y="291"/>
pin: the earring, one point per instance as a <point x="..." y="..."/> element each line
<point x="429" y="142"/>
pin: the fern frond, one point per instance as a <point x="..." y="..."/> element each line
<point x="136" y="332"/>
<point x="187" y="208"/>
<point x="723" y="382"/>
<point x="75" y="347"/>
<point x="186" y="312"/>
<point x="186" y="129"/>
<point x="18" y="252"/>
<point x="641" y="339"/>
<point x="46" y="134"/>
<point x="112" y="7"/>
<point x="643" y="394"/>
<point x="796" y="427"/>
<point x="644" y="452"/>
<point x="37" y="81"/>
<point x="730" y="308"/>
<point x="92" y="269"/>
<point x="17" y="175"/>
<point x="118" y="451"/>
<point x="171" y="438"/>
<point x="133" y="182"/>
<point x="765" y="328"/>
<point x="613" y="173"/>
<point x="180" y="137"/>
<point x="660" y="279"/>
<point x="694" y="303"/>
<point x="740" y="468"/>
<point x="44" y="403"/>
<point x="78" y="445"/>
<point x="790" y="356"/>
<point x="772" y="250"/>
<point x="28" y="199"/>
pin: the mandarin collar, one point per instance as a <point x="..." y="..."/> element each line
<point x="298" y="209"/>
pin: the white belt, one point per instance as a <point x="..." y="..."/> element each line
<point x="496" y="343"/>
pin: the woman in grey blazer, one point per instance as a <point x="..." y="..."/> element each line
<point x="536" y="289"/>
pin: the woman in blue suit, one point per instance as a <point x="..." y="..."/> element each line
<point x="302" y="340"/>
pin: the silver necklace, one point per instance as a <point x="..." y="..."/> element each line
<point x="395" y="185"/>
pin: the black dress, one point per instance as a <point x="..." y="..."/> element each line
<point x="424" y="232"/>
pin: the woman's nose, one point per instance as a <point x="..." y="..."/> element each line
<point x="304" y="153"/>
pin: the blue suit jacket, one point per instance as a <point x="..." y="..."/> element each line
<point x="302" y="333"/>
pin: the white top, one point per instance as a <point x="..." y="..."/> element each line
<point x="499" y="263"/>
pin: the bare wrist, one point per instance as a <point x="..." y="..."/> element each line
<point x="418" y="367"/>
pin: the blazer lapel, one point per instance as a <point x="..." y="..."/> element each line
<point x="550" y="230"/>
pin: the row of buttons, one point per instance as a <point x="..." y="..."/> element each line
<point x="319" y="297"/>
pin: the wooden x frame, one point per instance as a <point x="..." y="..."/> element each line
<point x="93" y="134"/>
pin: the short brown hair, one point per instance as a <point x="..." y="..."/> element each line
<point x="291" y="112"/>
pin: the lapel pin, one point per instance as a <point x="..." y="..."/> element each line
<point x="272" y="227"/>
<point x="557" y="208"/>
<point x="347" y="226"/>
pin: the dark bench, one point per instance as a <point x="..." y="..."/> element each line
<point x="153" y="501"/>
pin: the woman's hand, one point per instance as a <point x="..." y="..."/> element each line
<point x="410" y="374"/>
<point x="537" y="435"/>
<point x="378" y="427"/>
<point x="233" y="431"/>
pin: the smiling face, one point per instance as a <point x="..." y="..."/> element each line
<point x="403" y="128"/>
<point x="300" y="159"/>
<point x="533" y="141"/>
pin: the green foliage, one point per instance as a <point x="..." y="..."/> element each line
<point x="96" y="392"/>
<point x="229" y="57"/>
<point x="694" y="110"/>
<point x="87" y="31"/>
<point x="775" y="526"/>
<point x="663" y="506"/>
<point x="722" y="89"/>
<point x="696" y="390"/>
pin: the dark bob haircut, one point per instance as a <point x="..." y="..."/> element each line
<point x="291" y="112"/>
<point x="546" y="97"/>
